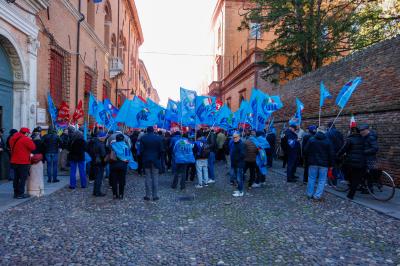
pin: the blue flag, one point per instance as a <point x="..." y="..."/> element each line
<point x="110" y="107"/>
<point x="205" y="110"/>
<point x="52" y="108"/>
<point x="172" y="112"/>
<point x="346" y="92"/>
<point x="299" y="110"/>
<point x="104" y="118"/>
<point x="324" y="94"/>
<point x="124" y="111"/>
<point x="188" y="107"/>
<point x="157" y="113"/>
<point x="224" y="118"/>
<point x="92" y="105"/>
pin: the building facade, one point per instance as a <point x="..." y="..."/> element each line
<point x="93" y="49"/>
<point x="18" y="63"/>
<point x="146" y="89"/>
<point x="236" y="54"/>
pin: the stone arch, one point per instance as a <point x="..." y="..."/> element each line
<point x="14" y="56"/>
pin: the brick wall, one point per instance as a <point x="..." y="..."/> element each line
<point x="376" y="101"/>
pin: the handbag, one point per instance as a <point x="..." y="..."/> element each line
<point x="36" y="158"/>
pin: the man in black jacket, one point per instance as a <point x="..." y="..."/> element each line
<point x="51" y="144"/>
<point x="370" y="151"/>
<point x="293" y="152"/>
<point x="312" y="130"/>
<point x="151" y="148"/>
<point x="97" y="151"/>
<point x="320" y="156"/>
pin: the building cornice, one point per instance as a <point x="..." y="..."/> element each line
<point x="135" y="15"/>
<point x="10" y="14"/>
<point x="75" y="13"/>
<point x="37" y="5"/>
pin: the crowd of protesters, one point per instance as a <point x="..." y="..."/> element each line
<point x="190" y="156"/>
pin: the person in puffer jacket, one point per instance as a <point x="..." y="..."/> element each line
<point x="321" y="156"/>
<point x="354" y="162"/>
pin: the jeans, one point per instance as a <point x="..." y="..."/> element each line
<point x="211" y="161"/>
<point x="252" y="167"/>
<point x="151" y="181"/>
<point x="239" y="178"/>
<point x="98" y="172"/>
<point x="52" y="165"/>
<point x="82" y="175"/>
<point x="21" y="174"/>
<point x="291" y="166"/>
<point x="202" y="171"/>
<point x="315" y="171"/>
<point x="162" y="163"/>
<point x="179" y="173"/>
<point x="232" y="177"/>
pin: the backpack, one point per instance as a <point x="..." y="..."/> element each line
<point x="204" y="149"/>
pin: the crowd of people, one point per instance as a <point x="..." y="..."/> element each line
<point x="190" y="156"/>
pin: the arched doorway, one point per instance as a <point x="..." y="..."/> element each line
<point x="6" y="91"/>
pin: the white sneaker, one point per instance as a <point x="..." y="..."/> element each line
<point x="238" y="194"/>
<point x="255" y="185"/>
<point x="210" y="181"/>
<point x="198" y="186"/>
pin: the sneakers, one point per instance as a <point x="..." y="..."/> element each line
<point x="238" y="194"/>
<point x="198" y="186"/>
<point x="210" y="181"/>
<point x="255" y="185"/>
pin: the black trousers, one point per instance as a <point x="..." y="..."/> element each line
<point x="305" y="174"/>
<point x="98" y="173"/>
<point x="284" y="159"/>
<point x="191" y="171"/>
<point x="355" y="177"/>
<point x="118" y="177"/>
<point x="292" y="166"/>
<point x="180" y="172"/>
<point x="252" y="166"/>
<point x="269" y="157"/>
<point x="21" y="174"/>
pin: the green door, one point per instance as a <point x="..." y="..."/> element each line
<point x="6" y="92"/>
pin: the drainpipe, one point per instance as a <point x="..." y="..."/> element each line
<point x="78" y="52"/>
<point x="116" y="80"/>
<point x="129" y="58"/>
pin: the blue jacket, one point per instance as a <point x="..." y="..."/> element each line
<point x="150" y="149"/>
<point x="293" y="145"/>
<point x="319" y="151"/>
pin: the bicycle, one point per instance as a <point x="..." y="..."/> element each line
<point x="380" y="184"/>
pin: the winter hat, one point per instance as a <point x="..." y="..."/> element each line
<point x="363" y="127"/>
<point x="312" y="129"/>
<point x="150" y="129"/>
<point x="101" y="134"/>
<point x="24" y="130"/>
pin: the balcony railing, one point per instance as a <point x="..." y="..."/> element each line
<point x="215" y="88"/>
<point x="116" y="67"/>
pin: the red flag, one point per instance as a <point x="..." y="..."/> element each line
<point x="78" y="113"/>
<point x="353" y="122"/>
<point x="218" y="104"/>
<point x="141" y="98"/>
<point x="63" y="112"/>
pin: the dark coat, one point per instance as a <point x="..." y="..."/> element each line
<point x="371" y="146"/>
<point x="51" y="143"/>
<point x="151" y="147"/>
<point x="336" y="139"/>
<point x="354" y="150"/>
<point x="97" y="151"/>
<point x="77" y="150"/>
<point x="319" y="151"/>
<point x="292" y="144"/>
<point x="250" y="151"/>
<point x="237" y="155"/>
<point x="306" y="138"/>
<point x="271" y="138"/>
<point x="65" y="139"/>
<point x="212" y="141"/>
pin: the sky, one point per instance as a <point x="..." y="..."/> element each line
<point x="175" y="27"/>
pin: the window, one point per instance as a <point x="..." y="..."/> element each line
<point x="113" y="44"/>
<point x="255" y="30"/>
<point x="229" y="102"/>
<point x="91" y="10"/>
<point x="56" y="77"/>
<point x="242" y="95"/>
<point x="106" y="90"/>
<point x="88" y="83"/>
<point x="107" y="23"/>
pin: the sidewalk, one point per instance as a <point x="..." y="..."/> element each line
<point x="390" y="208"/>
<point x="6" y="191"/>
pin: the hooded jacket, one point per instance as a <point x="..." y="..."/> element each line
<point x="319" y="151"/>
<point x="21" y="149"/>
<point x="371" y="146"/>
<point x="237" y="154"/>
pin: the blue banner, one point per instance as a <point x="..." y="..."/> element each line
<point x="205" y="110"/>
<point x="346" y="92"/>
<point x="188" y="107"/>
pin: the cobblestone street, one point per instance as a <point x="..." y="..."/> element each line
<point x="273" y="225"/>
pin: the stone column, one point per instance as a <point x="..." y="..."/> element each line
<point x="33" y="45"/>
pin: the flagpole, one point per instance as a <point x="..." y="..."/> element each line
<point x="319" y="117"/>
<point x="336" y="117"/>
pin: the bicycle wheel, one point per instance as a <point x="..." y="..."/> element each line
<point x="338" y="182"/>
<point x="382" y="188"/>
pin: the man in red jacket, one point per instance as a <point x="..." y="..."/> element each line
<point x="21" y="148"/>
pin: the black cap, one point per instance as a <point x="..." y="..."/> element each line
<point x="150" y="129"/>
<point x="119" y="138"/>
